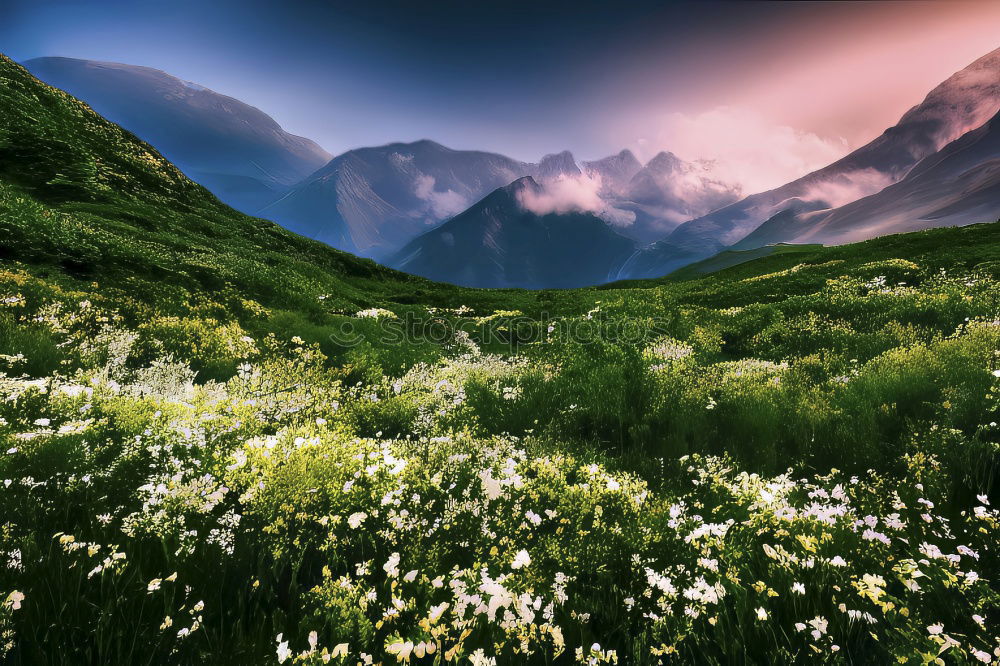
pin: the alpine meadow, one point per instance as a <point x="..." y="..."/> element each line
<point x="225" y="443"/>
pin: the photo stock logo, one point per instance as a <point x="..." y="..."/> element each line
<point x="384" y="328"/>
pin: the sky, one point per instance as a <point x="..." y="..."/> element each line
<point x="768" y="90"/>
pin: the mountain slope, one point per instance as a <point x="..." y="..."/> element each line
<point x="963" y="102"/>
<point x="235" y="150"/>
<point x="960" y="184"/>
<point x="497" y="243"/>
<point x="556" y="165"/>
<point x="615" y="172"/>
<point x="80" y="195"/>
<point x="373" y="200"/>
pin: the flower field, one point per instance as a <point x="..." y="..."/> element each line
<point x="455" y="510"/>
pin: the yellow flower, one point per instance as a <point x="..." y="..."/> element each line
<point x="808" y="542"/>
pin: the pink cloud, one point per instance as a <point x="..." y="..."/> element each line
<point x="849" y="187"/>
<point x="746" y="148"/>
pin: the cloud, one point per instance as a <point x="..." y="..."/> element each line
<point x="849" y="187"/>
<point x="564" y="194"/>
<point x="697" y="189"/>
<point x="573" y="194"/>
<point x="442" y="204"/>
<point x="746" y="148"/>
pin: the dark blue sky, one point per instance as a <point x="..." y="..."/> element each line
<point x="519" y="78"/>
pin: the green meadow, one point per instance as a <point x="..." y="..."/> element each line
<point x="224" y="443"/>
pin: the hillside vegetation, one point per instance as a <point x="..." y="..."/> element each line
<point x="223" y="443"/>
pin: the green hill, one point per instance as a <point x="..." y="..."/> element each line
<point x="728" y="258"/>
<point x="86" y="197"/>
<point x="224" y="443"/>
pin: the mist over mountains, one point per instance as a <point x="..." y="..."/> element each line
<point x="668" y="191"/>
<point x="963" y="102"/>
<point x="958" y="185"/>
<point x="376" y="199"/>
<point x="484" y="219"/>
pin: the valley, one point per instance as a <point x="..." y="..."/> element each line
<point x="224" y="442"/>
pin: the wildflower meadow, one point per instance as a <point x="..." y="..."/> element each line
<point x="222" y="443"/>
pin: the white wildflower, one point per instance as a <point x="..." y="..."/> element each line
<point x="521" y="559"/>
<point x="283" y="652"/>
<point x="356" y="519"/>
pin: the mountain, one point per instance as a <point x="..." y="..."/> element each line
<point x="651" y="200"/>
<point x="668" y="191"/>
<point x="958" y="185"/>
<point x="631" y="202"/>
<point x="235" y="150"/>
<point x="374" y="200"/>
<point x="615" y="172"/>
<point x="556" y="166"/>
<point x="963" y="102"/>
<point x="497" y="243"/>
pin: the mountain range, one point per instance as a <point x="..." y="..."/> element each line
<point x="484" y="219"/>
<point x="959" y="184"/>
<point x="964" y="101"/>
<point x="372" y="201"/>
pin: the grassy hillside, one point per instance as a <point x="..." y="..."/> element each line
<point x="223" y="443"/>
<point x="728" y="258"/>
<point x="975" y="246"/>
